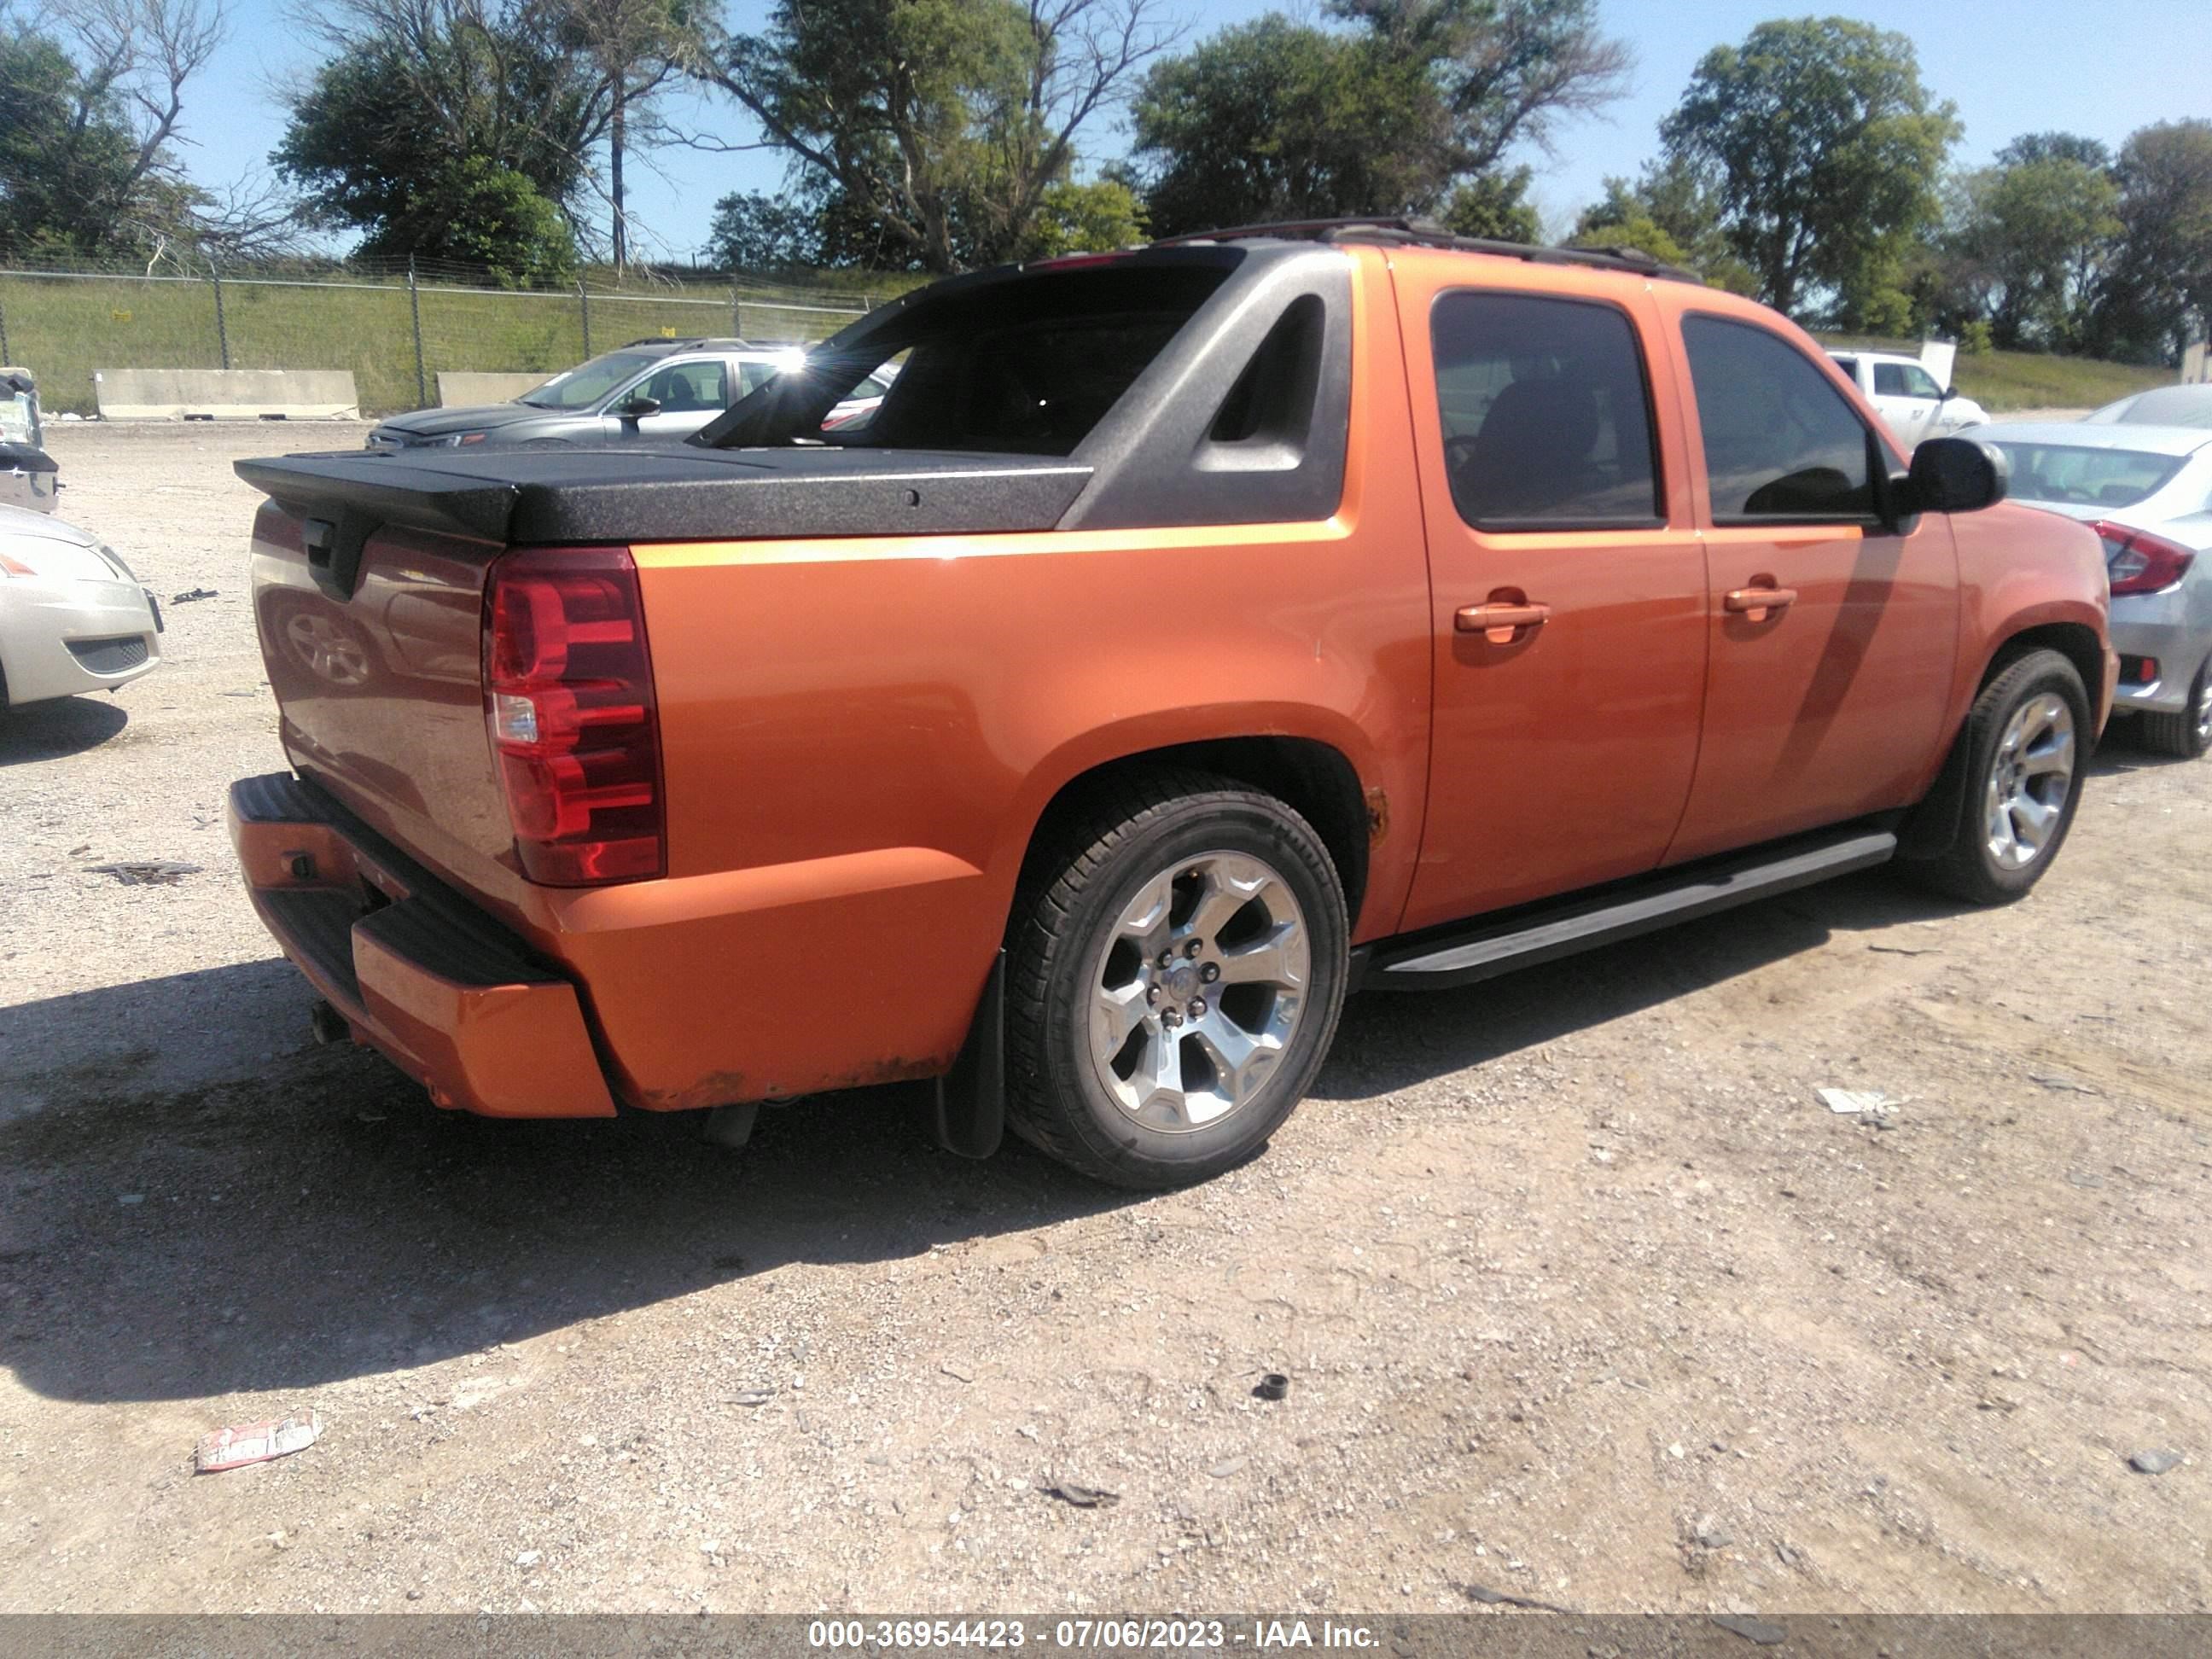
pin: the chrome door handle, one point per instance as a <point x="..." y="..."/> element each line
<point x="1756" y="602"/>
<point x="1499" y="623"/>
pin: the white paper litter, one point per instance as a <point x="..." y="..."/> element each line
<point x="1854" y="1100"/>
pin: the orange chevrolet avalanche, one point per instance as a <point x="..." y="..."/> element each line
<point x="1192" y="637"/>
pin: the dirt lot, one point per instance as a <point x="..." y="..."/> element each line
<point x="1583" y="1295"/>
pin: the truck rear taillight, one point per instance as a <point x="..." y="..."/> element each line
<point x="568" y="699"/>
<point x="2140" y="562"/>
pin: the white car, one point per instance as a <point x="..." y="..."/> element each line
<point x="1906" y="396"/>
<point x="72" y="617"/>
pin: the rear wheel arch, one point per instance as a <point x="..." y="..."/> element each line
<point x="1315" y="779"/>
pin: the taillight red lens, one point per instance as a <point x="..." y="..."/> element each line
<point x="2140" y="562"/>
<point x="568" y="703"/>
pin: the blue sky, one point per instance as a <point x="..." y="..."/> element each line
<point x="2100" y="67"/>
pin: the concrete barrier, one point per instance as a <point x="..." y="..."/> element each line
<point x="459" y="390"/>
<point x="226" y="394"/>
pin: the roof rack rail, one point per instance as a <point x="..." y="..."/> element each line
<point x="1412" y="232"/>
<point x="691" y="344"/>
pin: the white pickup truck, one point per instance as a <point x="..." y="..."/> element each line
<point x="1912" y="401"/>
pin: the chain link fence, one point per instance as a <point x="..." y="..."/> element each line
<point x="394" y="327"/>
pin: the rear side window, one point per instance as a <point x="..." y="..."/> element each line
<point x="1780" y="440"/>
<point x="1021" y="367"/>
<point x="1546" y="413"/>
<point x="1850" y="367"/>
<point x="754" y="372"/>
<point x="1904" y="380"/>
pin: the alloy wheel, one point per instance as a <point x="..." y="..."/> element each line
<point x="1197" y="990"/>
<point x="2030" y="778"/>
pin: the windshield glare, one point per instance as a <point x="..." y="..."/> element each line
<point x="582" y="386"/>
<point x="2085" y="477"/>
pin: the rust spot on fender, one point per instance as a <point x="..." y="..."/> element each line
<point x="1378" y="815"/>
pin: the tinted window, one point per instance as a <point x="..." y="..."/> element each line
<point x="1850" y="367"/>
<point x="1545" y="414"/>
<point x="689" y="388"/>
<point x="1780" y="440"/>
<point x="1027" y="367"/>
<point x="2083" y="477"/>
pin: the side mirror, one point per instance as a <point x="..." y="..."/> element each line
<point x="637" y="408"/>
<point x="1952" y="475"/>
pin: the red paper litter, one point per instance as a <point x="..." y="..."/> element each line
<point x="256" y="1443"/>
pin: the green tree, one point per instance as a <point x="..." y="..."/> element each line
<point x="92" y="100"/>
<point x="1823" y="150"/>
<point x="2092" y="152"/>
<point x="942" y="123"/>
<point x="1672" y="216"/>
<point x="1508" y="70"/>
<point x="1624" y="219"/>
<point x="2035" y="229"/>
<point x="1495" y="207"/>
<point x="1273" y="120"/>
<point x="480" y="213"/>
<point x="1412" y="108"/>
<point x="754" y="231"/>
<point x="1093" y="218"/>
<point x="442" y="126"/>
<point x="2159" y="294"/>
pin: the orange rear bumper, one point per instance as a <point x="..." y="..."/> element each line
<point x="433" y="985"/>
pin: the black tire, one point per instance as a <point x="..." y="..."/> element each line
<point x="1073" y="891"/>
<point x="1963" y="867"/>
<point x="2185" y="736"/>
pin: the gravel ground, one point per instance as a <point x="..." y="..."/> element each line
<point x="1583" y="1296"/>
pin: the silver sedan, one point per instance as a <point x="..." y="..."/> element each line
<point x="2164" y="405"/>
<point x="72" y="617"/>
<point x="2147" y="491"/>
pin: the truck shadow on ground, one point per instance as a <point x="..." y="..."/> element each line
<point x="63" y="726"/>
<point x="321" y="1221"/>
<point x="1390" y="1041"/>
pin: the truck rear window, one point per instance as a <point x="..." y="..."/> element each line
<point x="1021" y="368"/>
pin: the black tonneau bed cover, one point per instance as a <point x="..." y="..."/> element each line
<point x="630" y="493"/>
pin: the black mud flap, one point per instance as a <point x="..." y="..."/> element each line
<point x="971" y="1098"/>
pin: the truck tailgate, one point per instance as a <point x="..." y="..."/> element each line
<point x="380" y="689"/>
